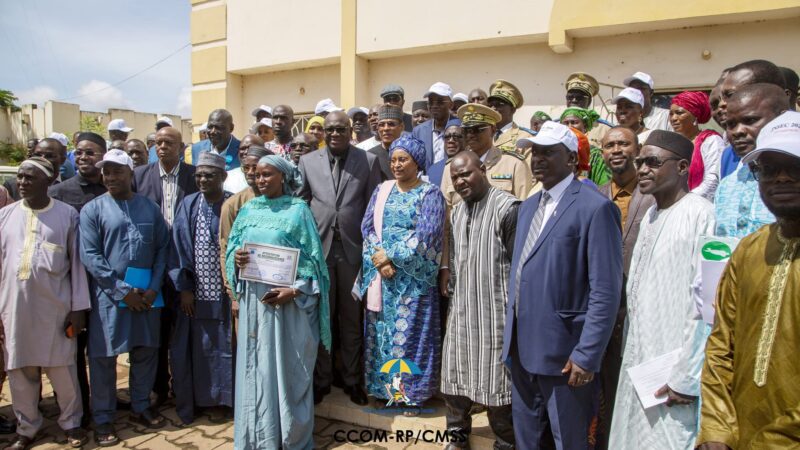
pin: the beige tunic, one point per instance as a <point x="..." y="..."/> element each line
<point x="41" y="281"/>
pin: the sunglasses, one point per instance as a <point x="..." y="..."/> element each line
<point x="768" y="172"/>
<point x="475" y="130"/>
<point x="340" y="130"/>
<point x="653" y="162"/>
<point x="453" y="137"/>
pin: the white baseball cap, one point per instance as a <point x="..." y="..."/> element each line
<point x="203" y="127"/>
<point x="60" y="137"/>
<point x="164" y="119"/>
<point x="440" y="89"/>
<point x="781" y="134"/>
<point x="265" y="121"/>
<point x="552" y="133"/>
<point x="264" y="108"/>
<point x="115" y="156"/>
<point x="119" y="125"/>
<point x="326" y="105"/>
<point x="631" y="94"/>
<point x="357" y="109"/>
<point x="641" y="76"/>
<point x="461" y="96"/>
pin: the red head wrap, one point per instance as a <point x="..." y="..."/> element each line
<point x="695" y="102"/>
<point x="584" y="148"/>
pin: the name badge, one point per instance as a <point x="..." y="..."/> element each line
<point x="501" y="176"/>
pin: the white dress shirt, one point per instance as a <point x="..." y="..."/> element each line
<point x="556" y="192"/>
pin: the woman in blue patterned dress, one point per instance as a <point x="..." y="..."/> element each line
<point x="403" y="232"/>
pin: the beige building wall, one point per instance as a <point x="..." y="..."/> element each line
<point x="358" y="46"/>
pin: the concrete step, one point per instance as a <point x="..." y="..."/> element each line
<point x="338" y="407"/>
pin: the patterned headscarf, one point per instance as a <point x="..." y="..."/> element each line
<point x="695" y="102"/>
<point x="588" y="116"/>
<point x="413" y="147"/>
<point x="292" y="180"/>
<point x="584" y="150"/>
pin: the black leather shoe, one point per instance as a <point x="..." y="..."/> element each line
<point x="7" y="426"/>
<point x="319" y="394"/>
<point x="20" y="443"/>
<point x="357" y="394"/>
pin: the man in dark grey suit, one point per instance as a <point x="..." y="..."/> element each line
<point x="338" y="181"/>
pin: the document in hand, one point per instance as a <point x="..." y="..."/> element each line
<point x="140" y="278"/>
<point x="650" y="376"/>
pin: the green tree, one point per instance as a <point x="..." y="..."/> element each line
<point x="7" y="99"/>
<point x="90" y="123"/>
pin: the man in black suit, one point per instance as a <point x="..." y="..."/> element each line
<point x="166" y="182"/>
<point x="338" y="181"/>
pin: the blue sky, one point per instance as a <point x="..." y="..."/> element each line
<point x="61" y="49"/>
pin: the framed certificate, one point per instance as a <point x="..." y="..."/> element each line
<point x="270" y="264"/>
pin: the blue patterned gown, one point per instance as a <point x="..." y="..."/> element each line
<point x="408" y="324"/>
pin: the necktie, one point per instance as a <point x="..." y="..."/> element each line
<point x="530" y="240"/>
<point x="337" y="172"/>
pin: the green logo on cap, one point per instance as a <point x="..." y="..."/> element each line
<point x="716" y="251"/>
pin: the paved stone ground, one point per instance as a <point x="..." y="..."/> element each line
<point x="212" y="430"/>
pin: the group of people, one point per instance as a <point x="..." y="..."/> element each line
<point x="446" y="253"/>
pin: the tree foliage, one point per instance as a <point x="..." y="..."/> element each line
<point x="90" y="123"/>
<point x="7" y="99"/>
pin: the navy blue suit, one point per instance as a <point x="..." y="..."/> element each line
<point x="231" y="155"/>
<point x="569" y="294"/>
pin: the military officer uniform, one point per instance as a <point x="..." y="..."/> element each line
<point x="506" y="140"/>
<point x="586" y="83"/>
<point x="506" y="171"/>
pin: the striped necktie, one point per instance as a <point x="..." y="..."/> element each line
<point x="530" y="240"/>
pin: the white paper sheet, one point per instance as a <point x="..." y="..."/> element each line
<point x="650" y="376"/>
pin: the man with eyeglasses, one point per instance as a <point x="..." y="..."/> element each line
<point x="750" y="389"/>
<point x="301" y="144"/>
<point x="220" y="140"/>
<point x="390" y="128"/>
<point x="620" y="147"/>
<point x="431" y="132"/>
<point x="235" y="180"/>
<point x="661" y="314"/>
<point x="505" y="98"/>
<point x="393" y="94"/>
<point x="201" y="354"/>
<point x="506" y="171"/>
<point x="338" y="182"/>
<point x="581" y="89"/>
<point x="454" y="144"/>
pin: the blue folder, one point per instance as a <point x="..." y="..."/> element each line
<point x="140" y="278"/>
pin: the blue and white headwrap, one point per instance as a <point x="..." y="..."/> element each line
<point x="292" y="180"/>
<point x="413" y="147"/>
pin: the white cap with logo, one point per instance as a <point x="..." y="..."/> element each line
<point x="782" y="135"/>
<point x="641" y="76"/>
<point x="326" y="105"/>
<point x="630" y="94"/>
<point x="119" y="125"/>
<point x="552" y="133"/>
<point x="440" y="89"/>
<point x="115" y="156"/>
